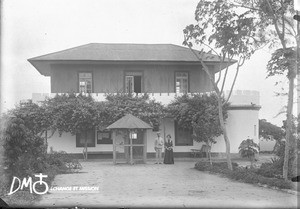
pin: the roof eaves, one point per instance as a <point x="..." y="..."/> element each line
<point x="76" y="47"/>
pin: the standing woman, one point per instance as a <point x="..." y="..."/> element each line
<point x="168" y="159"/>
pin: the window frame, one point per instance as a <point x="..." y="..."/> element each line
<point x="92" y="144"/>
<point x="134" y="73"/>
<point x="78" y="81"/>
<point x="188" y="81"/>
<point x="191" y="143"/>
<point x="105" y="140"/>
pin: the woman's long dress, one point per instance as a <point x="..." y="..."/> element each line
<point x="169" y="159"/>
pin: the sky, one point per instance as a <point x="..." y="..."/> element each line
<point x="32" y="28"/>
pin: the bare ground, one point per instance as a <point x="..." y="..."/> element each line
<point x="150" y="185"/>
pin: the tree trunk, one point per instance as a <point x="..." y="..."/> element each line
<point x="295" y="141"/>
<point x="295" y="158"/>
<point x="46" y="141"/>
<point x="85" y="146"/>
<point x="222" y="124"/>
<point x="251" y="162"/>
<point x="220" y="106"/>
<point x="288" y="128"/>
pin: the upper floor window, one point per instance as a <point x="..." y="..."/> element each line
<point x="133" y="82"/>
<point x="85" y="82"/>
<point x="181" y="82"/>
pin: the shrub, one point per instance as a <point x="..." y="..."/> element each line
<point x="248" y="148"/>
<point x="24" y="152"/>
<point x="63" y="161"/>
<point x="273" y="169"/>
<point x="216" y="166"/>
<point x="203" y="166"/>
<point x="243" y="174"/>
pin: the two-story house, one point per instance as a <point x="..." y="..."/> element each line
<point x="163" y="70"/>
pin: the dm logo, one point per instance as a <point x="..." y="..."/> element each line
<point x="28" y="183"/>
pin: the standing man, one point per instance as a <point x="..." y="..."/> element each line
<point x="158" y="146"/>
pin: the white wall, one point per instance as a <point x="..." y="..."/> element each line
<point x="67" y="143"/>
<point x="240" y="125"/>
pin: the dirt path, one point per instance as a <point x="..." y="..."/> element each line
<point x="149" y="185"/>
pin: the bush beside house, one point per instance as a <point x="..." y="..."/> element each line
<point x="248" y="148"/>
<point x="269" y="173"/>
<point x="24" y="152"/>
<point x="242" y="174"/>
<point x="24" y="131"/>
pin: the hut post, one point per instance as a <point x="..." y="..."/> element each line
<point x="114" y="146"/>
<point x="127" y="148"/>
<point x="145" y="146"/>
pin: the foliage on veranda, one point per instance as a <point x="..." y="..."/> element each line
<point x="24" y="146"/>
<point x="199" y="113"/>
<point x="143" y="107"/>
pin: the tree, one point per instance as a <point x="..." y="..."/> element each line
<point x="270" y="131"/>
<point x="118" y="105"/>
<point x="248" y="148"/>
<point x="75" y="114"/>
<point x="199" y="113"/>
<point x="233" y="34"/>
<point x="78" y="114"/>
<point x="24" y="151"/>
<point x="275" y="17"/>
<point x="36" y="117"/>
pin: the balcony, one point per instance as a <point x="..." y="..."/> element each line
<point x="238" y="97"/>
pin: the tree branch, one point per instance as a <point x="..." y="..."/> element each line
<point x="220" y="70"/>
<point x="205" y="68"/>
<point x="283" y="21"/>
<point x="240" y="63"/>
<point x="274" y="18"/>
<point x="227" y="67"/>
<point x="245" y="6"/>
<point x="212" y="49"/>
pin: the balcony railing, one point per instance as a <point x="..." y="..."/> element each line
<point x="238" y="97"/>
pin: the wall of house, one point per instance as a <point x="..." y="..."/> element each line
<point x="241" y="124"/>
<point x="67" y="142"/>
<point x="157" y="78"/>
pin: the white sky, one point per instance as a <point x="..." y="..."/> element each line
<point x="36" y="27"/>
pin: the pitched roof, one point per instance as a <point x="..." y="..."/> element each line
<point x="129" y="122"/>
<point x="125" y="52"/>
<point x="100" y="52"/>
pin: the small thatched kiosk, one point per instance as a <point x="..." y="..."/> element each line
<point x="133" y="138"/>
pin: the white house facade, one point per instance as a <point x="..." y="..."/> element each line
<point x="160" y="70"/>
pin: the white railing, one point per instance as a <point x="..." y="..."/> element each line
<point x="238" y="97"/>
